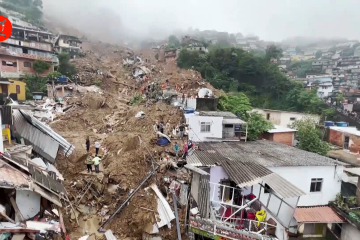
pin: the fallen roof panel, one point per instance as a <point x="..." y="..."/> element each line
<point x="10" y="177"/>
<point x="163" y="208"/>
<point x="321" y="214"/>
<point x="195" y="169"/>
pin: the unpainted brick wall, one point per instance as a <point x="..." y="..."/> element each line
<point x="285" y="138"/>
<point x="335" y="137"/>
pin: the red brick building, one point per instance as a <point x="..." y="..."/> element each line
<point x="345" y="137"/>
<point x="280" y="134"/>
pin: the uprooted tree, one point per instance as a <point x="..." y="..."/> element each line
<point x="65" y="67"/>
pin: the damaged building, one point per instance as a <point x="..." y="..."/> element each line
<point x="30" y="185"/>
<point x="248" y="190"/>
<point x="19" y="52"/>
<point x="69" y="44"/>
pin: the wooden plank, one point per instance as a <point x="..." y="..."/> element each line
<point x="18" y="237"/>
<point x="61" y="219"/>
<point x="16" y="208"/>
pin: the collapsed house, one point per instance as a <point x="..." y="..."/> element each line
<point x="30" y="185"/>
<point x="262" y="187"/>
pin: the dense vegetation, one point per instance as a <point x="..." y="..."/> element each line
<point x="31" y="9"/>
<point x="235" y="70"/>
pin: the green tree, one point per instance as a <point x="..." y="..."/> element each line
<point x="257" y="124"/>
<point x="65" y="67"/>
<point x="34" y="83"/>
<point x="318" y="54"/>
<point x="339" y="98"/>
<point x="53" y="75"/>
<point x="273" y="52"/>
<point x="40" y="66"/>
<point x="238" y="104"/>
<point x="309" y="138"/>
<point x="173" y="42"/>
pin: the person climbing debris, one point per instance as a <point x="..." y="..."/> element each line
<point x="186" y="149"/>
<point x="96" y="161"/>
<point x="87" y="143"/>
<point x="181" y="131"/>
<point x="97" y="146"/>
<point x="161" y="127"/>
<point x="176" y="149"/>
<point x="168" y="128"/>
<point x="89" y="163"/>
<point x="156" y="127"/>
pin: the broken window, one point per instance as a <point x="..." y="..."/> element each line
<point x="316" y="184"/>
<point x="205" y="126"/>
<point x="27" y="64"/>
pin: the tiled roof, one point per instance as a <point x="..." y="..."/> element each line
<point x="11" y="177"/>
<point x="264" y="152"/>
<point x="321" y="214"/>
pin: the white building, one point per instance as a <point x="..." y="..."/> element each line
<point x="21" y="23"/>
<point x="284" y="118"/>
<point x="324" y="89"/>
<point x="284" y="181"/>
<point x="215" y="126"/>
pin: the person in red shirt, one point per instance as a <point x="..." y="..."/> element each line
<point x="186" y="149"/>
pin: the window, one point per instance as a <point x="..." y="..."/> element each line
<point x="4" y="63"/>
<point x="17" y="89"/>
<point x="316" y="184"/>
<point x="292" y="119"/>
<point x="32" y="44"/>
<point x="205" y="126"/>
<point x="268" y="116"/>
<point x="14" y="64"/>
<point x="27" y="64"/>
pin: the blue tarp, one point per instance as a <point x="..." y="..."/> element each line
<point x="162" y="142"/>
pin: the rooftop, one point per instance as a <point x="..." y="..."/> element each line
<point x="320" y="214"/>
<point x="218" y="114"/>
<point x="263" y="152"/>
<point x="280" y="129"/>
<point x="349" y="130"/>
<point x="10" y="177"/>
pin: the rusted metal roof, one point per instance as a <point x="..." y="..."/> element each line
<point x="319" y="214"/>
<point x="10" y="177"/>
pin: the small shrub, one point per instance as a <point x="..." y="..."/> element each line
<point x="136" y="99"/>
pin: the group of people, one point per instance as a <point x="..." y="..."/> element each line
<point x="187" y="146"/>
<point x="92" y="159"/>
<point x="166" y="129"/>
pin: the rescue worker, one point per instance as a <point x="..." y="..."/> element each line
<point x="96" y="161"/>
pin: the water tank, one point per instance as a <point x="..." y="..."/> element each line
<point x="328" y="123"/>
<point x="189" y="110"/>
<point x="341" y="124"/>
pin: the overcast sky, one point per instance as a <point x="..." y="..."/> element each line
<point x="269" y="19"/>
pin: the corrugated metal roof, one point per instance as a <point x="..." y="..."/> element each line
<point x="282" y="187"/>
<point x="263" y="152"/>
<point x="163" y="208"/>
<point x="12" y="178"/>
<point x="66" y="147"/>
<point x="195" y="169"/>
<point x="41" y="142"/>
<point x="321" y="214"/>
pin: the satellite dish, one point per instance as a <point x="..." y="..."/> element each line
<point x="205" y="92"/>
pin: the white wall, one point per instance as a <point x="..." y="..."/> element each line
<point x="216" y="128"/>
<point x="216" y="174"/>
<point x="324" y="91"/>
<point x="282" y="118"/>
<point x="28" y="203"/>
<point x="301" y="177"/>
<point x="349" y="232"/>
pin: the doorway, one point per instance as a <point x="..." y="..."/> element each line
<point x="346" y="142"/>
